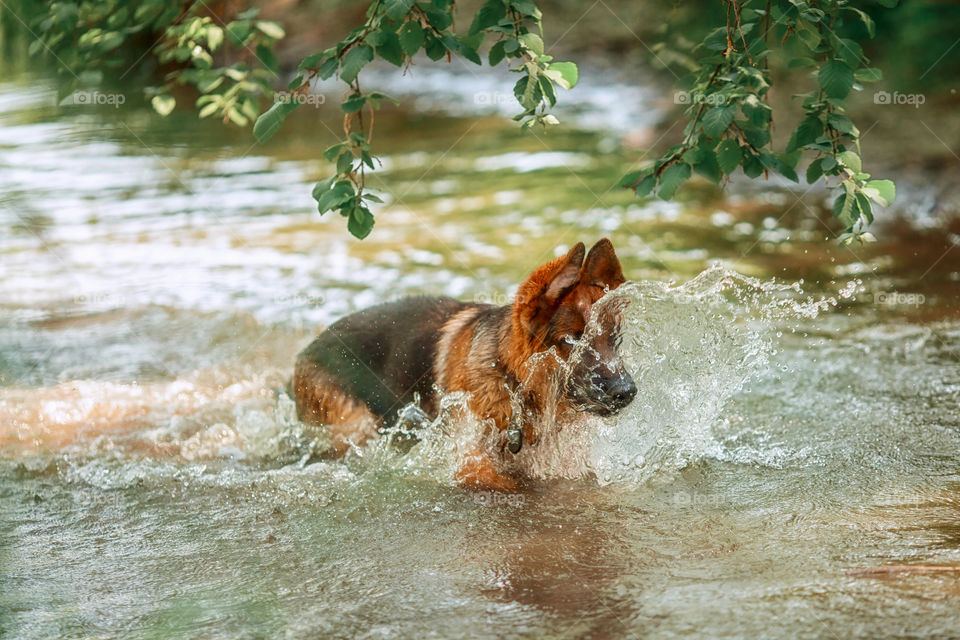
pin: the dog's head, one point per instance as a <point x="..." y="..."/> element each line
<point x="553" y="308"/>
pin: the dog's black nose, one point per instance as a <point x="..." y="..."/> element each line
<point x="622" y="392"/>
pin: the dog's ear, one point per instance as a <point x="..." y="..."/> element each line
<point x="539" y="295"/>
<point x="602" y="268"/>
<point x="565" y="275"/>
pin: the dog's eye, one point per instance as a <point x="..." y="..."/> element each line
<point x="573" y="338"/>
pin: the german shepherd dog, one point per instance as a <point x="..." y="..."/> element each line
<point x="358" y="374"/>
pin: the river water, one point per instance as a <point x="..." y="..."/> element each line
<point x="789" y="468"/>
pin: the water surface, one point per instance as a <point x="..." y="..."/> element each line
<point x="791" y="438"/>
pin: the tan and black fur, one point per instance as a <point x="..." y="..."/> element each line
<point x="357" y="375"/>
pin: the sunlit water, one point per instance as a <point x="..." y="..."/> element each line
<point x="154" y="482"/>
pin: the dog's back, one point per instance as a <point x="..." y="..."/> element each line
<point x="368" y="365"/>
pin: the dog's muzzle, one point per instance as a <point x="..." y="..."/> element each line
<point x="620" y="392"/>
<point x="605" y="396"/>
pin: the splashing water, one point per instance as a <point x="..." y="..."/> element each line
<point x="689" y="348"/>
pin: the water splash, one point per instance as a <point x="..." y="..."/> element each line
<point x="689" y="347"/>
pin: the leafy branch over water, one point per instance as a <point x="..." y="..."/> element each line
<point x="396" y="30"/>
<point x="729" y="119"/>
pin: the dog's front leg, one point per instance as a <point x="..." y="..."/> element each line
<point x="478" y="471"/>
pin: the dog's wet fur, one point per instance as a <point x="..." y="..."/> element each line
<point x="357" y="375"/>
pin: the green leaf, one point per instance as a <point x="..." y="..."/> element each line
<point x="807" y="131"/>
<point x="568" y="74"/>
<point x="271" y="120"/>
<point x="238" y="31"/>
<point x="360" y="222"/>
<point x="374" y="98"/>
<point x="645" y="186"/>
<point x="808" y="35"/>
<point x="163" y="104"/>
<point x="752" y="165"/>
<point x="322" y="187"/>
<point x="886" y="191"/>
<point x="671" y="179"/>
<point x="850" y="52"/>
<point x="354" y="61"/>
<point x="271" y="29"/>
<point x="268" y="58"/>
<point x="333" y="151"/>
<point x="527" y="92"/>
<point x="867" y="21"/>
<point x="865" y="207"/>
<point x="208" y="110"/>
<point x="836" y="79"/>
<point x="532" y="42"/>
<point x="411" y="37"/>
<point x="630" y="179"/>
<point x="333" y="198"/>
<point x="389" y="48"/>
<point x="843" y="124"/>
<point x="492" y="12"/>
<point x="801" y="62"/>
<point x="367" y="159"/>
<point x="756" y="136"/>
<point x="527" y="8"/>
<point x="329" y="67"/>
<point x="496" y="53"/>
<point x="434" y="48"/>
<point x="439" y="18"/>
<point x="547" y="88"/>
<point x="345" y="164"/>
<point x="707" y="166"/>
<point x="814" y="171"/>
<point x="353" y="103"/>
<point x="311" y="60"/>
<point x="214" y="37"/>
<point x="843" y="210"/>
<point x="757" y="112"/>
<point x="397" y="9"/>
<point x="786" y="163"/>
<point x="850" y="160"/>
<point x="729" y="156"/>
<point x="716" y="40"/>
<point x="716" y="120"/>
<point x="467" y="51"/>
<point x="868" y="74"/>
